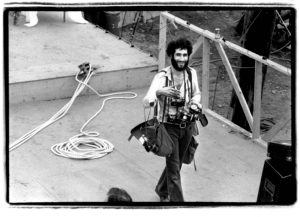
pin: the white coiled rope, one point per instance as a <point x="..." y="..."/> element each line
<point x="97" y="147"/>
<point x="85" y="145"/>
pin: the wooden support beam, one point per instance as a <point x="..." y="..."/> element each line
<point x="235" y="84"/>
<point x="277" y="127"/>
<point x="196" y="46"/>
<point x="257" y="100"/>
<point x="230" y="45"/>
<point x="261" y="142"/>
<point x="162" y="42"/>
<point x="205" y="73"/>
<point x="259" y="58"/>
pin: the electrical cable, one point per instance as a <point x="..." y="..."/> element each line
<point x="266" y="124"/>
<point x="152" y="21"/>
<point x="250" y="26"/>
<point x="96" y="147"/>
<point x="211" y="61"/>
<point x="281" y="48"/>
<point x="170" y="33"/>
<point x="283" y="23"/>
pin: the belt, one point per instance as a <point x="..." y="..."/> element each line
<point x="181" y="125"/>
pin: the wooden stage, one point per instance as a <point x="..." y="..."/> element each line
<point x="44" y="59"/>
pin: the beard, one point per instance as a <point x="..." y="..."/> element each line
<point x="175" y="65"/>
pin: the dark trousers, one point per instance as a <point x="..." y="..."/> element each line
<point x="170" y="181"/>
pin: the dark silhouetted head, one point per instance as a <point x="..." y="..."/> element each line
<point x="118" y="195"/>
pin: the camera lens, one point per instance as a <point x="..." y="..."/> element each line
<point x="194" y="107"/>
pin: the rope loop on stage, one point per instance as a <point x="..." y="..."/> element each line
<point x="85" y="145"/>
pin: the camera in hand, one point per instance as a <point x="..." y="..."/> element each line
<point x="195" y="111"/>
<point x="177" y="102"/>
<point x="184" y="116"/>
<point x="194" y="114"/>
<point x="197" y="114"/>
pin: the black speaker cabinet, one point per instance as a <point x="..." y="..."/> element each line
<point x="278" y="184"/>
<point x="280" y="150"/>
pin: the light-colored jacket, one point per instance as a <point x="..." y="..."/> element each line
<point x="159" y="82"/>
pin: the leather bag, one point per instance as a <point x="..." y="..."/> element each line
<point x="155" y="133"/>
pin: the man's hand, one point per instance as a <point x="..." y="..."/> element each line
<point x="169" y="92"/>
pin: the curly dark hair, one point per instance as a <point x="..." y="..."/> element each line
<point x="181" y="43"/>
<point x="118" y="195"/>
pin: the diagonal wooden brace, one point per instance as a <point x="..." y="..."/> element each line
<point x="235" y="84"/>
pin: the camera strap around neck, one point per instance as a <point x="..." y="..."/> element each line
<point x="188" y="70"/>
<point x="166" y="84"/>
<point x="165" y="102"/>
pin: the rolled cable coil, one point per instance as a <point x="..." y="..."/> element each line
<point x="96" y="147"/>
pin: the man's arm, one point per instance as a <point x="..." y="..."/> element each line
<point x="151" y="97"/>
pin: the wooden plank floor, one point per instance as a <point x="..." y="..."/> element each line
<point x="229" y="167"/>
